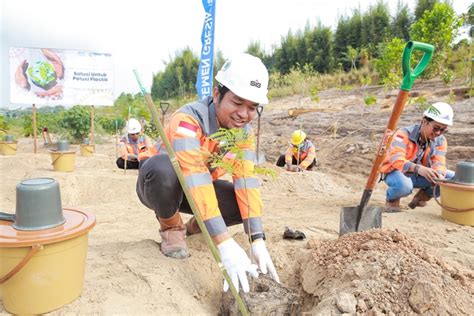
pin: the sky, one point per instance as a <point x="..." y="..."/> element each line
<point x="144" y="34"/>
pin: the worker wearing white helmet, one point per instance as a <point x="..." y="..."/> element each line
<point x="300" y="155"/>
<point x="417" y="158"/>
<point x="243" y="85"/>
<point x="133" y="145"/>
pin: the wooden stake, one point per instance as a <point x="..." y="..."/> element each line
<point x="126" y="141"/>
<point x="116" y="139"/>
<point x="33" y="113"/>
<point x="92" y="140"/>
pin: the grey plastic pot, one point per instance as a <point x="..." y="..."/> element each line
<point x="464" y="173"/>
<point x="63" y="145"/>
<point x="38" y="205"/>
<point x="9" y="138"/>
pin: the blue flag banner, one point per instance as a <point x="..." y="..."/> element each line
<point x="204" y="76"/>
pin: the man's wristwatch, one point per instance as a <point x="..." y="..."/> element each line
<point x="415" y="170"/>
<point x="257" y="236"/>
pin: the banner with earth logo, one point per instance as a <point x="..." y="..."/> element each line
<point x="44" y="76"/>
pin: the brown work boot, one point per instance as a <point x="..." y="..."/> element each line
<point x="172" y="232"/>
<point x="419" y="199"/>
<point x="192" y="227"/>
<point x="392" y="206"/>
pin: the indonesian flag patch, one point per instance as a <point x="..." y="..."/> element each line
<point x="186" y="129"/>
<point x="399" y="138"/>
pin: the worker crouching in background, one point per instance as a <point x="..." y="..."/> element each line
<point x="132" y="146"/>
<point x="417" y="158"/>
<point x="300" y="156"/>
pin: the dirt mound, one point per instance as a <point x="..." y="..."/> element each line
<point x="383" y="271"/>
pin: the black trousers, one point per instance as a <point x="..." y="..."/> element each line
<point x="158" y="188"/>
<point x="281" y="162"/>
<point x="130" y="164"/>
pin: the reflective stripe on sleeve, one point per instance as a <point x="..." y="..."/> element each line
<point x="254" y="224"/>
<point x="215" y="226"/>
<point x="198" y="179"/>
<point x="246" y="183"/>
<point x="183" y="144"/>
<point x="395" y="157"/>
<point x="399" y="144"/>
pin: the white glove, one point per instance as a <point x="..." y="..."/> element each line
<point x="237" y="263"/>
<point x="262" y="257"/>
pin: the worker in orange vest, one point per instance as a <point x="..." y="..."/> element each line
<point x="132" y="146"/>
<point x="300" y="156"/>
<point x="242" y="86"/>
<point x="417" y="158"/>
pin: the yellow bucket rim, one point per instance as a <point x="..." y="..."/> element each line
<point x="77" y="223"/>
<point x="456" y="185"/>
<point x="62" y="152"/>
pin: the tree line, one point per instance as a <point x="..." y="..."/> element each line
<point x="363" y="39"/>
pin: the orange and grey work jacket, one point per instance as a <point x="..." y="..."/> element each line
<point x="307" y="154"/>
<point x="188" y="132"/>
<point x="407" y="150"/>
<point x="140" y="147"/>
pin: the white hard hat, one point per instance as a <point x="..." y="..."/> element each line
<point x="440" y="112"/>
<point x="133" y="126"/>
<point x="246" y="76"/>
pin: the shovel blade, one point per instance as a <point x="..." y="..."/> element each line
<point x="371" y="218"/>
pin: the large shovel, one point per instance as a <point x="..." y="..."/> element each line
<point x="164" y="106"/>
<point x="260" y="156"/>
<point x="360" y="218"/>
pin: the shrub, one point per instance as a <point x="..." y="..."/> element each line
<point x="370" y="99"/>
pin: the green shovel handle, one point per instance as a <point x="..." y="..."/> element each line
<point x="409" y="76"/>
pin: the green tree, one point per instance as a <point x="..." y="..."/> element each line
<point x="256" y="49"/>
<point x="136" y="103"/>
<point x="387" y="65"/>
<point x="375" y="26"/>
<point x="438" y="27"/>
<point x="76" y="122"/>
<point x="3" y="123"/>
<point x="319" y="49"/>
<point x="401" y="22"/>
<point x="355" y="30"/>
<point x="286" y="55"/>
<point x="341" y="41"/>
<point x="469" y="19"/>
<point x="351" y="56"/>
<point x="422" y="6"/>
<point x="179" y="77"/>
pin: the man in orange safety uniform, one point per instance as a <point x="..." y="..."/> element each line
<point x="301" y="155"/>
<point x="243" y="83"/>
<point x="132" y="146"/>
<point x="417" y="158"/>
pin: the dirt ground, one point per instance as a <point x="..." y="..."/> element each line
<point x="419" y="262"/>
